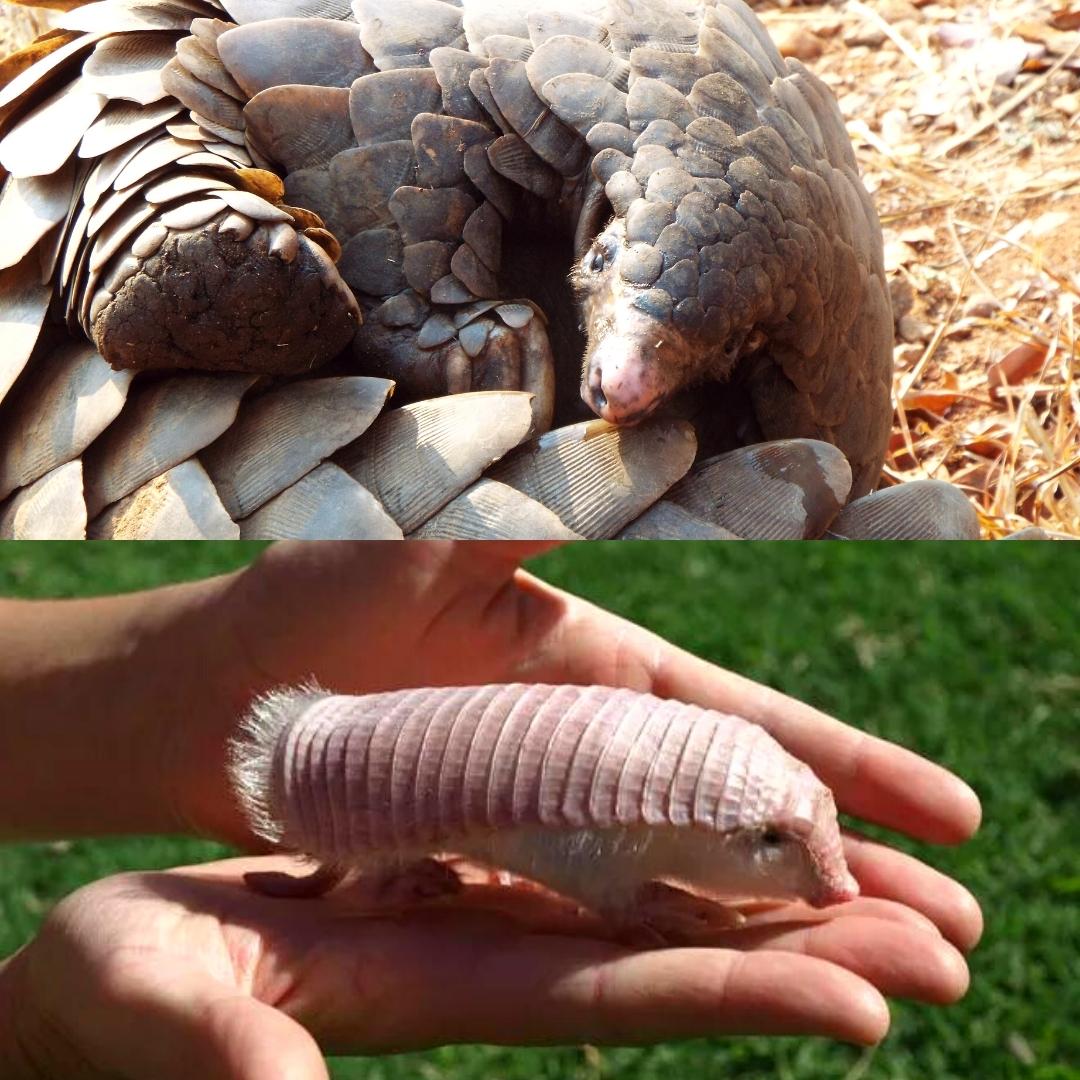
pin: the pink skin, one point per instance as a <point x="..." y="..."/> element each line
<point x="630" y="369"/>
<point x="633" y="362"/>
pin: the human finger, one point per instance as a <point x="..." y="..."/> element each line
<point x="870" y="777"/>
<point x="900" y="960"/>
<point x="883" y="871"/>
<point x="382" y="985"/>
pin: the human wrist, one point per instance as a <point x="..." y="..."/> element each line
<point x="214" y="687"/>
<point x="105" y="699"/>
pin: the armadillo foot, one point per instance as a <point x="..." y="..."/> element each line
<point x="489" y="345"/>
<point x="663" y="915"/>
<point x="295" y="886"/>
<point x="425" y="879"/>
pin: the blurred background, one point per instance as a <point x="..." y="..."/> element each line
<point x="969" y="654"/>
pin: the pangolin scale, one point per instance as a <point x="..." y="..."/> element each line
<point x="592" y="791"/>
<point x="376" y="197"/>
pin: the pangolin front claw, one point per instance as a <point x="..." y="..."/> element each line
<point x="228" y="299"/>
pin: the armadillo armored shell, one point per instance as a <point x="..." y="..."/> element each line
<point x="593" y="791"/>
<point x="232" y="229"/>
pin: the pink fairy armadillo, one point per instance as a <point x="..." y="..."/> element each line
<point x="595" y="792"/>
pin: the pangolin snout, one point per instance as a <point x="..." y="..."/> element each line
<point x="625" y="380"/>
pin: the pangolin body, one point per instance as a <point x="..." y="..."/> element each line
<point x="237" y="186"/>
<point x="594" y="792"/>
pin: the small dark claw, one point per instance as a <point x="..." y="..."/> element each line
<point x="295" y="886"/>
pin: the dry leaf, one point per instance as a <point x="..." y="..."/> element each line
<point x="1017" y="364"/>
<point x="1066" y="19"/>
<point x="932" y="400"/>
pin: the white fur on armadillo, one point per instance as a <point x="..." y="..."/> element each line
<point x="346" y="778"/>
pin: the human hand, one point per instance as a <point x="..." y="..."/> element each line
<point x="367" y="617"/>
<point x="189" y="973"/>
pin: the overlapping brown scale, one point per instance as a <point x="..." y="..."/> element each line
<point x="724" y="53"/>
<point x="739" y="23"/>
<point x="128" y="66"/>
<point x="544" y="25"/>
<point x="583" y="101"/>
<point x="493" y="186"/>
<point x="51" y="508"/>
<point x="507" y="47"/>
<point x="417" y="458"/>
<point x="245" y="11"/>
<point x="162" y="424"/>
<point x="677" y="70"/>
<point x="326" y="504"/>
<point x="24" y="301"/>
<point x="285" y="433"/>
<point x="133" y="15"/>
<point x="300" y="127"/>
<point x="643" y="24"/>
<point x="47" y="136"/>
<point x="294" y="51"/>
<point x="558" y="55"/>
<point x="453" y="68"/>
<point x="513" y="158"/>
<point x="920" y="510"/>
<point x="56" y="412"/>
<point x="181" y="504"/>
<point x="403" y="35"/>
<point x="156" y="155"/>
<point x="492" y="511"/>
<point x="382" y="105"/>
<point x="785" y="490"/>
<point x="38" y="74"/>
<point x="121" y="123"/>
<point x="207" y="66"/>
<point x="440" y="143"/>
<point x="666" y="520"/>
<point x="489" y="18"/>
<point x="597" y="478"/>
<point x="29" y="208"/>
<point x="202" y="99"/>
<point x="531" y="118"/>
<point x="351" y="195"/>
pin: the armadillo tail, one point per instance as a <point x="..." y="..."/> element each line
<point x="252" y="755"/>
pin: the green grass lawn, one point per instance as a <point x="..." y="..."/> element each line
<point x="967" y="653"/>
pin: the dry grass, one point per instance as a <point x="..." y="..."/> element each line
<point x="19" y="26"/>
<point x="965" y="120"/>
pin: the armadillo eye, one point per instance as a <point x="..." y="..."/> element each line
<point x="596" y="264"/>
<point x="772" y="837"/>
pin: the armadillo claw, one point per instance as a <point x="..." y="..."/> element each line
<point x="664" y="915"/>
<point x="420" y="881"/>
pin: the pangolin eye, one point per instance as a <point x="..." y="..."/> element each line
<point x="598" y="261"/>
<point x="772" y="837"/>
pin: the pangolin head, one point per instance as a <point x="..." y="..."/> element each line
<point x="657" y="317"/>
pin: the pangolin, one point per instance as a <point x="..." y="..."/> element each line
<point x="600" y="794"/>
<point x="233" y="227"/>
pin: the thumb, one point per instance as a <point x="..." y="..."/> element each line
<point x="507" y="551"/>
<point x="176" y="1025"/>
